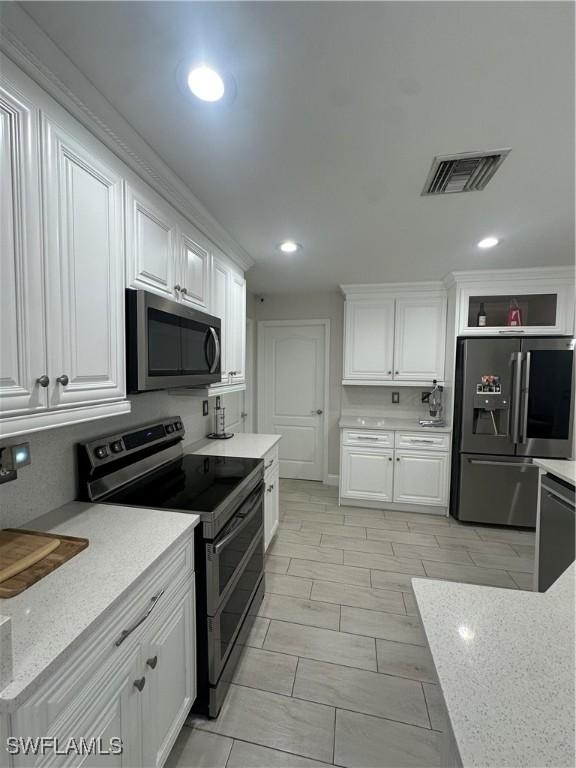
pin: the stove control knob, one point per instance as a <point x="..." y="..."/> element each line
<point x="116" y="446"/>
<point x="169" y="428"/>
<point x="178" y="425"/>
<point x="101" y="452"/>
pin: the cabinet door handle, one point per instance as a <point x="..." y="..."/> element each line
<point x="177" y="288"/>
<point x="148" y="611"/>
<point x="152" y="662"/>
<point x="396" y="373"/>
<point x="389" y="373"/>
<point x="184" y="291"/>
<point x="140" y="683"/>
<point x="64" y="380"/>
<point x="44" y="380"/>
<point x="397" y="459"/>
<point x="270" y="488"/>
<point x="267" y="466"/>
<point x="389" y="458"/>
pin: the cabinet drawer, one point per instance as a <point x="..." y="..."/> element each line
<point x="271" y="461"/>
<point x="368" y="438"/>
<point x="423" y="441"/>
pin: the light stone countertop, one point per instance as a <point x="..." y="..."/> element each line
<point x="565" y="469"/>
<point x="387" y="423"/>
<point x="52" y="617"/>
<point x="244" y="445"/>
<point x="505" y="663"/>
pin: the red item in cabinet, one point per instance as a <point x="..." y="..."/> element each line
<point x="514" y="314"/>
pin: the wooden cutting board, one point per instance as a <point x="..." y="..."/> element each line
<point x="62" y="548"/>
<point x="21" y="549"/>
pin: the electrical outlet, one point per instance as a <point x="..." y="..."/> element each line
<point x="204" y="407"/>
<point x="217" y="401"/>
<point x="425" y="397"/>
<point x="396" y="397"/>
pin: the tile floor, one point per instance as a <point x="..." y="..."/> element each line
<point x="336" y="670"/>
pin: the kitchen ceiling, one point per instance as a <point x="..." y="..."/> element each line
<point x="338" y="112"/>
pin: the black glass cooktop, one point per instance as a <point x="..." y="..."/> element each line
<point x="192" y="483"/>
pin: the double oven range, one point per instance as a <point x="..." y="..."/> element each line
<point x="147" y="467"/>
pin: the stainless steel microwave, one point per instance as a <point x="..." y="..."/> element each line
<point x="169" y="345"/>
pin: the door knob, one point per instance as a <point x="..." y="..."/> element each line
<point x="318" y="412"/>
<point x="140" y="683"/>
<point x="44" y="381"/>
<point x="63" y="380"/>
<point x="152" y="662"/>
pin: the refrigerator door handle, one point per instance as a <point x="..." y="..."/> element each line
<point x="493" y="463"/>
<point x="516" y="361"/>
<point x="525" y="392"/>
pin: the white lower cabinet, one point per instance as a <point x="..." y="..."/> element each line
<point x="133" y="680"/>
<point x="271" y="495"/>
<point x="421" y="477"/>
<point x="416" y="473"/>
<point x="367" y="473"/>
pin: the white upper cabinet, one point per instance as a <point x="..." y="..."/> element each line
<point x="394" y="334"/>
<point x="84" y="278"/>
<point x="544" y="297"/>
<point x="420" y="338"/>
<point x="229" y="304"/>
<point x="23" y="347"/>
<point x="151" y="237"/>
<point x="237" y="329"/>
<point x="194" y="268"/>
<point x="369" y="340"/>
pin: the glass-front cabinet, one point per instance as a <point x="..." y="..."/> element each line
<point x="533" y="305"/>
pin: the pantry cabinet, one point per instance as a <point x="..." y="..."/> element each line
<point x="393" y="335"/>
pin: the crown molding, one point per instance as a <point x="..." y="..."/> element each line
<point x="527" y="273"/>
<point x="27" y="45"/>
<point x="430" y="286"/>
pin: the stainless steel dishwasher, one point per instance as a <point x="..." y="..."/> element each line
<point x="556" y="531"/>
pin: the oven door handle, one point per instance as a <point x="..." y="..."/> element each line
<point x="240" y="525"/>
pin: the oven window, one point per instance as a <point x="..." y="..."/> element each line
<point x="164" y="344"/>
<point x="231" y="556"/>
<point x="233" y="610"/>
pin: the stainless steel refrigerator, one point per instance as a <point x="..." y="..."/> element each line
<point x="514" y="401"/>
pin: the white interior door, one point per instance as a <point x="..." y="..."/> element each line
<point x="292" y="397"/>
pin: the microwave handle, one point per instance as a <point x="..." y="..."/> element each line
<point x="216" y="360"/>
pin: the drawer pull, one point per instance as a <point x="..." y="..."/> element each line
<point x="141" y="620"/>
<point x="366" y="437"/>
<point x="420" y="440"/>
<point x="140" y="683"/>
<point x="270" y="488"/>
<point x="152" y="662"/>
<point x="270" y="463"/>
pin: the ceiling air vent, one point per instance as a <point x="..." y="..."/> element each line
<point x="466" y="172"/>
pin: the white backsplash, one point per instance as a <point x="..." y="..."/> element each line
<point x="51" y="481"/>
<point x="377" y="401"/>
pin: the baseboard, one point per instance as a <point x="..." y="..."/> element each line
<point x="332" y="479"/>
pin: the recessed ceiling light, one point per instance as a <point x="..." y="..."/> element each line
<point x="289" y="246"/>
<point x="488" y="242"/>
<point x="205" y="83"/>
